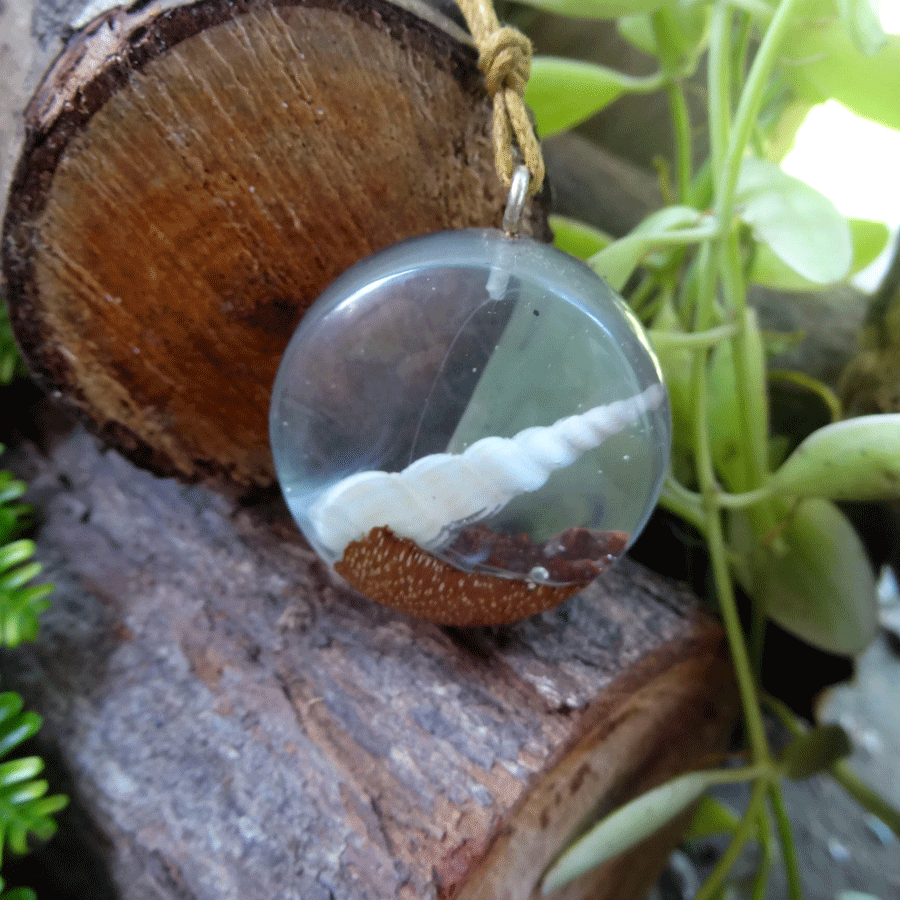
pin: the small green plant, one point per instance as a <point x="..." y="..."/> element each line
<point x="771" y="524"/>
<point x="25" y="808"/>
<point x="21" y="602"/>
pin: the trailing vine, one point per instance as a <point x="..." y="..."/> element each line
<point x="770" y="524"/>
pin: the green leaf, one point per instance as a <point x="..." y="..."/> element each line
<point x="24" y="807"/>
<point x="21" y="602"/>
<point x="24" y="793"/>
<point x="857" y="459"/>
<point x="19" y="577"/>
<point x="564" y="92"/>
<point x="597" y="9"/>
<point x="10" y="705"/>
<point x="825" y="63"/>
<point x="676" y="363"/>
<point x="727" y="438"/>
<point x="780" y="123"/>
<point x="19" y="893"/>
<point x="49" y="806"/>
<point x="627" y="826"/>
<point x="16" y="553"/>
<point x="815" y="751"/>
<point x="672" y="226"/>
<point x="682" y="32"/>
<point x="638" y="31"/>
<point x="682" y="29"/>
<point x="813" y="576"/>
<point x="15" y="728"/>
<point x="17" y="770"/>
<point x="10" y="489"/>
<point x="711" y="817"/>
<point x="577" y="238"/>
<point x="869" y="240"/>
<point x="860" y="19"/>
<point x="801" y="226"/>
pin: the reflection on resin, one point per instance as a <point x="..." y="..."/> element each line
<point x="466" y="419"/>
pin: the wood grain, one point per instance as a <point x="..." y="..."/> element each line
<point x="174" y="214"/>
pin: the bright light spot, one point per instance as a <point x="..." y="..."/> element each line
<point x="889" y="13"/>
<point x="853" y="162"/>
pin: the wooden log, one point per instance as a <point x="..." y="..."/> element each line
<point x="193" y="177"/>
<point x="240" y="726"/>
<point x="237" y="724"/>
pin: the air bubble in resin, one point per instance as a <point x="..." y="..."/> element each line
<point x="470" y="427"/>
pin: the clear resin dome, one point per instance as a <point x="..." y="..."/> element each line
<point x="466" y="419"/>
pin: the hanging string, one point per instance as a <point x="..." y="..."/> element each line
<point x="504" y="56"/>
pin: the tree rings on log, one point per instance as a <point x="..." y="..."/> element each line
<point x="192" y="179"/>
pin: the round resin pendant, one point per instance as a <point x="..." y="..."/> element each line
<point x="470" y="427"/>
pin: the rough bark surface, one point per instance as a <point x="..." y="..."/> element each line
<point x="238" y="725"/>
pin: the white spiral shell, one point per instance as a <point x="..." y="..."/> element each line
<point x="432" y="496"/>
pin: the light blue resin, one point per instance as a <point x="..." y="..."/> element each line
<point x="438" y="342"/>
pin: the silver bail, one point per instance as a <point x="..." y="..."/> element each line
<point x="515" y="204"/>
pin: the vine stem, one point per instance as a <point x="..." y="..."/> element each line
<point x="743" y="500"/>
<point x="662" y="28"/>
<point x="719" y="92"/>
<point x="788" y="848"/>
<point x="671" y="500"/>
<point x="719" y="117"/>
<point x="746" y="680"/>
<point x="725" y="175"/>
<point x="813" y="386"/>
<point x="723" y="499"/>
<point x="748" y="366"/>
<point x="764" y="833"/>
<point x="697" y="340"/>
<point x="726" y="183"/>
<point x="681" y="117"/>
<point x="749" y="107"/>
<point x="866" y="796"/>
<point x="742" y="834"/>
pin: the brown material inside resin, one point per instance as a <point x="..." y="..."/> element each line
<point x="398" y="573"/>
<point x="575" y="556"/>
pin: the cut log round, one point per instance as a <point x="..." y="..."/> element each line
<point x="193" y="178"/>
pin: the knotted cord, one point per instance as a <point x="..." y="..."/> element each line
<point x="504" y="56"/>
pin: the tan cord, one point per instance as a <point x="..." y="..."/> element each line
<point x="504" y="56"/>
